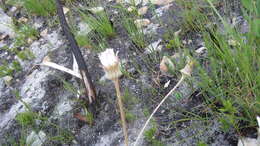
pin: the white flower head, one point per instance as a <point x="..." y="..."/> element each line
<point x="111" y="64"/>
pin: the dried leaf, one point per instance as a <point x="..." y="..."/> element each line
<point x="46" y="62"/>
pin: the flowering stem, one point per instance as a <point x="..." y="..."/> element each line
<point x="121" y="108"/>
<point x="158" y="106"/>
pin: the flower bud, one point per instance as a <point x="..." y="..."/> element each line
<point x="187" y="70"/>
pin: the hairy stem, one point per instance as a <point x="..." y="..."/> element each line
<point x="121" y="108"/>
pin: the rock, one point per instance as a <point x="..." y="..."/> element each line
<point x="103" y="79"/>
<point x="6" y="24"/>
<point x="44" y="32"/>
<point x="2" y="44"/>
<point x="84" y="28"/>
<point x="201" y="50"/>
<point x="32" y="90"/>
<point x="186" y="42"/>
<point x="160" y="11"/>
<point x="151" y="28"/>
<point x="65" y="10"/>
<point x="54" y="40"/>
<point x="29" y="40"/>
<point x="166" y="85"/>
<point x="153" y="47"/>
<point x="131" y="9"/>
<point x="36" y="139"/>
<point x="136" y="2"/>
<point x="106" y="107"/>
<point x="251" y="141"/>
<point x="189" y="42"/>
<point x="38" y="23"/>
<point x="96" y="9"/>
<point x="161" y="2"/>
<point x="63" y="107"/>
<point x="23" y="20"/>
<point x="143" y="10"/>
<point x="142" y="22"/>
<point x="40" y="50"/>
<point x="233" y="43"/>
<point x="2" y="37"/>
<point x="12" y="10"/>
<point x="248" y="142"/>
<point x="2" y="86"/>
<point x="7" y="80"/>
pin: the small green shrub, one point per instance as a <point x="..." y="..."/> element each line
<point x="83" y="40"/>
<point x="129" y="116"/>
<point x="150" y="137"/>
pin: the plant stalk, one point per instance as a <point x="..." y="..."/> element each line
<point x="121" y="108"/>
<point x="86" y="79"/>
<point x="158" y="106"/>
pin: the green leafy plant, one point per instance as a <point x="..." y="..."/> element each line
<point x="174" y="43"/>
<point x="89" y="116"/>
<point x="64" y="136"/>
<point x="83" y="40"/>
<point x="38" y="7"/>
<point x="193" y="17"/>
<point x="92" y="41"/>
<point x="233" y="80"/>
<point x="135" y="34"/>
<point x="127" y="20"/>
<point x="201" y="143"/>
<point x="99" y="22"/>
